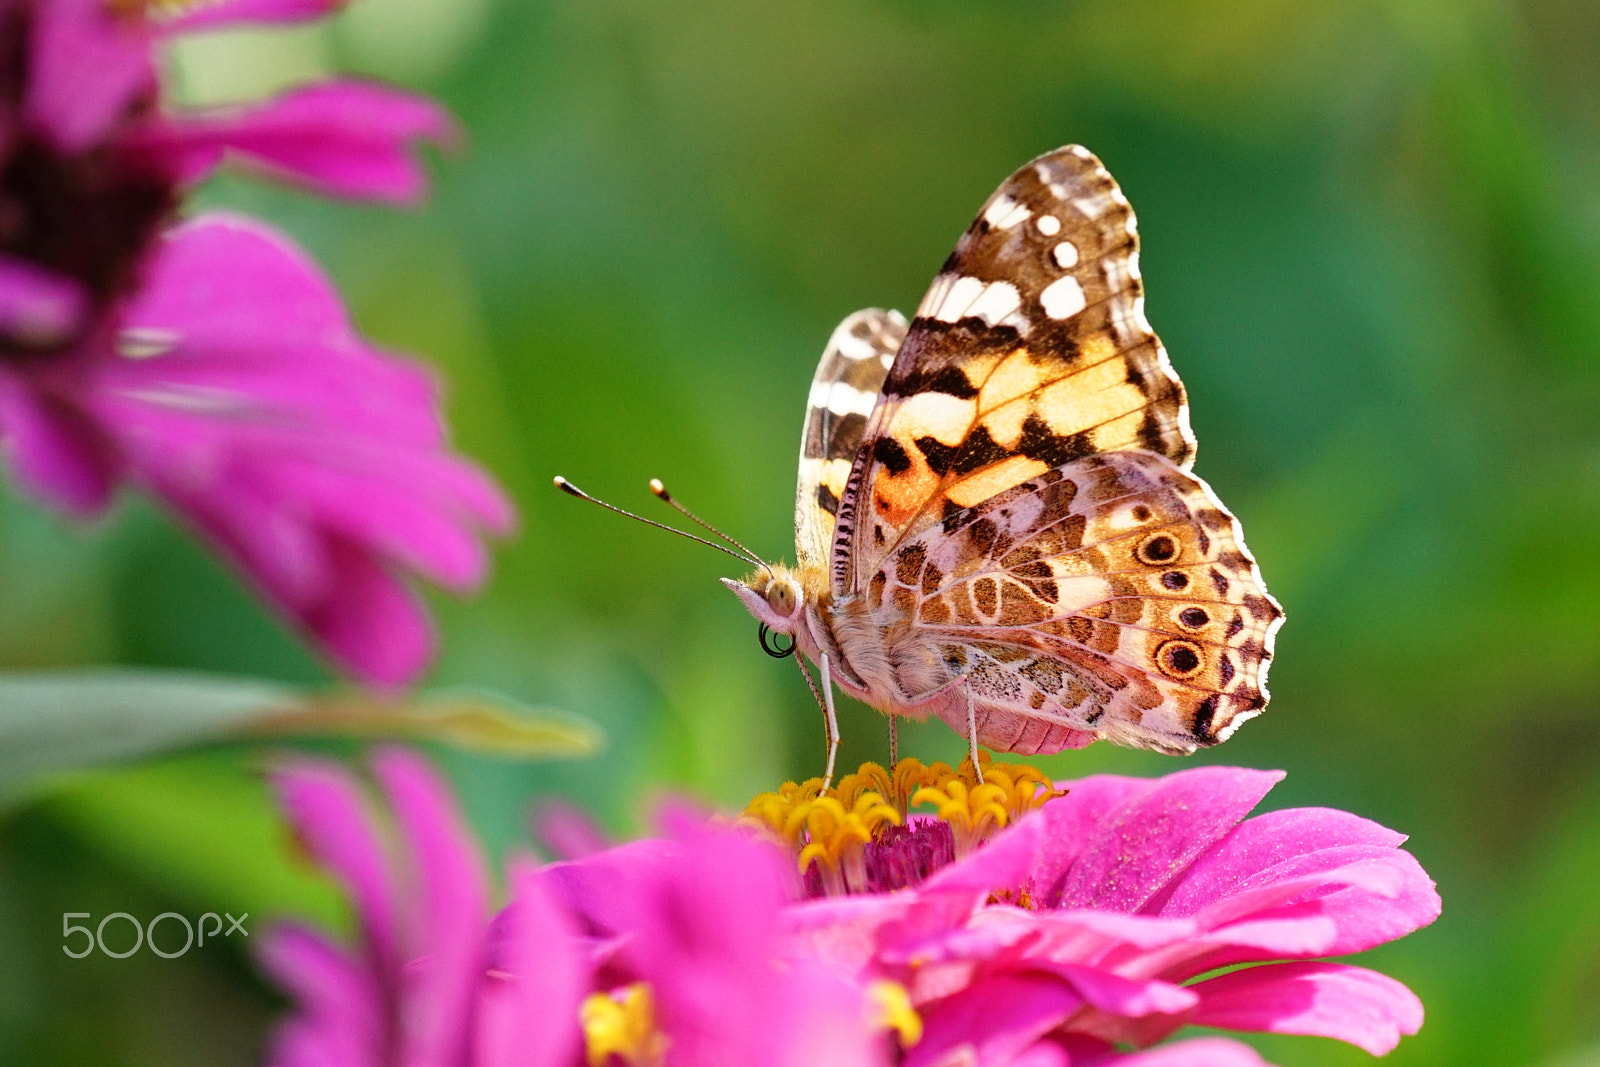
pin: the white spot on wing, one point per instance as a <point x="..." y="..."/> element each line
<point x="998" y="300"/>
<point x="1062" y="298"/>
<point x="842" y="398"/>
<point x="961" y="295"/>
<point x="1066" y="254"/>
<point x="1005" y="213"/>
<point x="1048" y="225"/>
<point x="935" y="295"/>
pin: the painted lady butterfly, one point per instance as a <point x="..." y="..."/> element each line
<point x="995" y="521"/>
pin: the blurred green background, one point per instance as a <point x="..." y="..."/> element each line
<point x="1372" y="246"/>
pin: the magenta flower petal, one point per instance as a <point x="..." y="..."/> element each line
<point x="86" y="67"/>
<point x="236" y="12"/>
<point x="39" y="307"/>
<point x="1369" y="1010"/>
<point x="340" y="1022"/>
<point x="1121" y="996"/>
<point x="528" y="1016"/>
<point x="56" y="453"/>
<point x="314" y="461"/>
<point x="1072" y="820"/>
<point x="441" y="985"/>
<point x="343" y="138"/>
<point x="1154" y="836"/>
<point x="331" y="818"/>
<point x="989" y="1024"/>
<point x="371" y="622"/>
<point x="1197" y="1052"/>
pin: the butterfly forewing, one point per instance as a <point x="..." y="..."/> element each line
<point x="844" y="392"/>
<point x="1030" y="349"/>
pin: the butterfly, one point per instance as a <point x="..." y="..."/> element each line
<point x="995" y="519"/>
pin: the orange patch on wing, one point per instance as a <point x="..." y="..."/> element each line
<point x="1092" y="397"/>
<point x="997" y="478"/>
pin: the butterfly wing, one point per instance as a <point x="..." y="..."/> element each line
<point x="1110" y="597"/>
<point x="843" y="393"/>
<point x="1030" y="349"/>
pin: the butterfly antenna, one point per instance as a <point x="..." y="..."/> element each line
<point x="572" y="490"/>
<point x="661" y="491"/>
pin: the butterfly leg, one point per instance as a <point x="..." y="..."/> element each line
<point x="894" y="741"/>
<point x="832" y="721"/>
<point x="972" y="736"/>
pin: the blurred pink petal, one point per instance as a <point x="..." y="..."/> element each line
<point x="38" y="307"/>
<point x="344" y="138"/>
<point x="331" y="818"/>
<point x="340" y="1022"/>
<point x="1369" y="1010"/>
<point x="87" y="67"/>
<point x="529" y="1011"/>
<point x="314" y="461"/>
<point x="55" y="452"/>
<point x="439" y="986"/>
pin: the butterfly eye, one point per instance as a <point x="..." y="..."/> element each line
<point x="780" y="597"/>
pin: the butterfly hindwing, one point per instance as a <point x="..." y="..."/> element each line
<point x="843" y="393"/>
<point x="1112" y="596"/>
<point x="1030" y="349"/>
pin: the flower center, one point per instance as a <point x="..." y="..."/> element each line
<point x="863" y="836"/>
<point x="622" y="1024"/>
<point x="84" y="217"/>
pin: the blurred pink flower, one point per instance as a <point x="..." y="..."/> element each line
<point x="1092" y="923"/>
<point x="214" y="365"/>
<point x="662" y="952"/>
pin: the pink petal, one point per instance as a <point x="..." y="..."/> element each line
<point x="235" y="12"/>
<point x="226" y="284"/>
<point x="1199" y="1052"/>
<point x="1154" y="836"/>
<point x="1116" y="995"/>
<point x="438" y="990"/>
<point x="1269" y="842"/>
<point x="529" y="1013"/>
<point x="991" y="1022"/>
<point x="85" y="70"/>
<point x="1366" y="1009"/>
<point x="1071" y="822"/>
<point x="56" y="453"/>
<point x="330" y="816"/>
<point x="315" y="462"/>
<point x="339" y="1021"/>
<point x="344" y="137"/>
<point x="39" y="308"/>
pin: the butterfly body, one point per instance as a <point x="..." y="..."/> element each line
<point x="995" y="522"/>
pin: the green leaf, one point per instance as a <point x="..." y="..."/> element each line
<point x="59" y="721"/>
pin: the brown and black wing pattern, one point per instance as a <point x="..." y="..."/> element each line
<point x="1031" y="349"/>
<point x="844" y="392"/>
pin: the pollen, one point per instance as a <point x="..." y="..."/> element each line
<point x="869" y="833"/>
<point x="622" y="1024"/>
<point x="892" y="1011"/>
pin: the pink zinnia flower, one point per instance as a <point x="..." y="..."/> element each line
<point x="1105" y="918"/>
<point x="213" y="365"/>
<point x="660" y="953"/>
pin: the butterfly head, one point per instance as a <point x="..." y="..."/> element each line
<point x="773" y="595"/>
